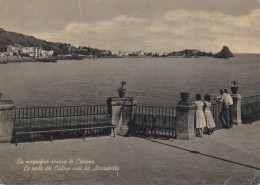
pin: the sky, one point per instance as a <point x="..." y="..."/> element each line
<point x="132" y="25"/>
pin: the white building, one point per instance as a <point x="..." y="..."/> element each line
<point x="14" y="49"/>
<point x="44" y="53"/>
<point x="31" y="51"/>
<point x="120" y="53"/>
<point x="50" y="52"/>
<point x="140" y="53"/>
<point x="2" y="54"/>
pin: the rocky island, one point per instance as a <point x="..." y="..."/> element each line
<point x="224" y="53"/>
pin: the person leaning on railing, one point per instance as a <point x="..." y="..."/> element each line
<point x="230" y="103"/>
<point x="224" y="113"/>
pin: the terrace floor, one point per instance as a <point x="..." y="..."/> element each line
<point x="226" y="157"/>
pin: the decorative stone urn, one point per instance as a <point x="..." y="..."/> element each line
<point x="121" y="90"/>
<point x="234" y="88"/>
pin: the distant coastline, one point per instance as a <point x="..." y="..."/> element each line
<point x="15" y="47"/>
<point x="20" y="59"/>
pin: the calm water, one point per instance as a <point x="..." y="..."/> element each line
<point x="152" y="81"/>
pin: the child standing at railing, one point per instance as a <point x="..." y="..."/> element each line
<point x="208" y="115"/>
<point x="200" y="118"/>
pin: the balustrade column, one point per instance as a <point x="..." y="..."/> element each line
<point x="6" y="120"/>
<point x="237" y="108"/>
<point x="185" y="120"/>
<point x="122" y="112"/>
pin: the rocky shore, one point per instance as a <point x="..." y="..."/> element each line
<point x="11" y="59"/>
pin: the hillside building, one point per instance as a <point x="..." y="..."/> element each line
<point x="34" y="52"/>
<point x="16" y="49"/>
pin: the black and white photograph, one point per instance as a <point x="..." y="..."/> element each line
<point x="130" y="92"/>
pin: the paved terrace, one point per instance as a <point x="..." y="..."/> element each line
<point x="226" y="157"/>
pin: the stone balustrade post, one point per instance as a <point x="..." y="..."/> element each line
<point x="6" y="120"/>
<point x="185" y="120"/>
<point x="237" y="108"/>
<point x="122" y="113"/>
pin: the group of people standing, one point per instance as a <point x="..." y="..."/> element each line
<point x="204" y="118"/>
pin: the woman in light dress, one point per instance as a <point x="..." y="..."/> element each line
<point x="208" y="116"/>
<point x="200" y="118"/>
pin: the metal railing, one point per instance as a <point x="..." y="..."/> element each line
<point x="250" y="109"/>
<point x="155" y="121"/>
<point x="250" y="99"/>
<point x="215" y="110"/>
<point x="147" y="120"/>
<point x="63" y="116"/>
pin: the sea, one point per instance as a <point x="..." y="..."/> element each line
<point x="151" y="81"/>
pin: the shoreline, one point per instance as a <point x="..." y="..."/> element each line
<point x="4" y="60"/>
<point x="20" y="59"/>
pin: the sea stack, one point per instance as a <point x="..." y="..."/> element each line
<point x="224" y="53"/>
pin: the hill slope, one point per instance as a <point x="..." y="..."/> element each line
<point x="12" y="38"/>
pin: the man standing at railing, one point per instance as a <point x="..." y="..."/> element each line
<point x="224" y="113"/>
<point x="230" y="103"/>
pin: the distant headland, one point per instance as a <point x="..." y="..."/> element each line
<point x="16" y="47"/>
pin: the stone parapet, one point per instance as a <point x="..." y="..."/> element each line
<point x="122" y="113"/>
<point x="6" y="105"/>
<point x="185" y="120"/>
<point x="6" y="122"/>
<point x="237" y="108"/>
